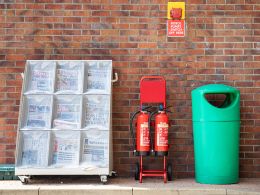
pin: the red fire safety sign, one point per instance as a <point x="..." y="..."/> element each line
<point x="176" y="28"/>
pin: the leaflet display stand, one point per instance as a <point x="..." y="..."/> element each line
<point x="65" y="119"/>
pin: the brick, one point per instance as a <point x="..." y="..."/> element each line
<point x="196" y="1"/>
<point x="73" y="6"/>
<point x="100" y="13"/>
<point x="147" y="45"/>
<point x="34" y="6"/>
<point x="234" y="26"/>
<point x="15" y="57"/>
<point x="120" y="1"/>
<point x="251" y="2"/>
<point x="71" y="19"/>
<point x="233" y="52"/>
<point x="225" y="7"/>
<point x="119" y="52"/>
<point x="53" y="6"/>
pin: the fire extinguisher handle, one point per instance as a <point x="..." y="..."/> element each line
<point x="146" y="108"/>
<point x="167" y="109"/>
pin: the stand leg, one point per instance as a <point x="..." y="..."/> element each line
<point x="141" y="170"/>
<point x="164" y="170"/>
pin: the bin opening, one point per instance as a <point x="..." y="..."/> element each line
<point x="220" y="100"/>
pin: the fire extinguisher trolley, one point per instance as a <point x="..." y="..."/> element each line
<point x="152" y="91"/>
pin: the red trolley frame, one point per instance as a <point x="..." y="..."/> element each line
<point x="153" y="90"/>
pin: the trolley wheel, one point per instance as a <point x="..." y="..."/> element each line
<point x="137" y="171"/>
<point x="169" y="171"/>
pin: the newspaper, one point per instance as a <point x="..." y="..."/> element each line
<point x="41" y="76"/>
<point x="35" y="148"/>
<point x="67" y="112"/>
<point x="41" y="80"/>
<point x="98" y="77"/>
<point x="97" y="112"/>
<point x="69" y="77"/>
<point x="39" y="111"/>
<point x="66" y="148"/>
<point x="95" y="149"/>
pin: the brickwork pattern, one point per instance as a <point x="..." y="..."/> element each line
<point x="221" y="46"/>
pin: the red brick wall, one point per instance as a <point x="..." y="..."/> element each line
<point x="221" y="46"/>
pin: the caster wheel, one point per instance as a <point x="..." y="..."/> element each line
<point x="137" y="171"/>
<point x="169" y="172"/>
<point x="24" y="179"/>
<point x="103" y="179"/>
<point x="113" y="174"/>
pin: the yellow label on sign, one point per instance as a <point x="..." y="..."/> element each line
<point x="176" y="5"/>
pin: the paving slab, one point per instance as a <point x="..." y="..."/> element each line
<point x="242" y="192"/>
<point x="149" y="191"/>
<point x="19" y="192"/>
<point x="83" y="191"/>
<point x="202" y="192"/>
<point x="17" y="188"/>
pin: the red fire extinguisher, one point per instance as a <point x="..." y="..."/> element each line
<point x="161" y="129"/>
<point x="141" y="140"/>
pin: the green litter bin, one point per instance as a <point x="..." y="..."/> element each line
<point x="7" y="172"/>
<point x="216" y="135"/>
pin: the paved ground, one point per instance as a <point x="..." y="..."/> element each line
<point x="125" y="186"/>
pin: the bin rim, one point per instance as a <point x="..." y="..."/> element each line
<point x="215" y="89"/>
<point x="203" y="110"/>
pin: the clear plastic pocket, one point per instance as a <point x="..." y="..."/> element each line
<point x="34" y="146"/>
<point x="67" y="112"/>
<point x="98" y="77"/>
<point x="40" y="77"/>
<point x="37" y="111"/>
<point x="69" y="77"/>
<point x="65" y="148"/>
<point x="96" y="112"/>
<point x="94" y="148"/>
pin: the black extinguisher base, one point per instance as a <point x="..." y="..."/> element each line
<point x="161" y="153"/>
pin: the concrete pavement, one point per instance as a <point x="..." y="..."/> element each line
<point x="125" y="186"/>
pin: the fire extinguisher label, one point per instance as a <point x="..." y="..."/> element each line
<point x="145" y="141"/>
<point x="162" y="135"/>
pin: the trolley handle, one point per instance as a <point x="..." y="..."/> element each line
<point x="152" y="77"/>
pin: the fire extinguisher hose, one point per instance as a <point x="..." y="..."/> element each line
<point x="132" y="128"/>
